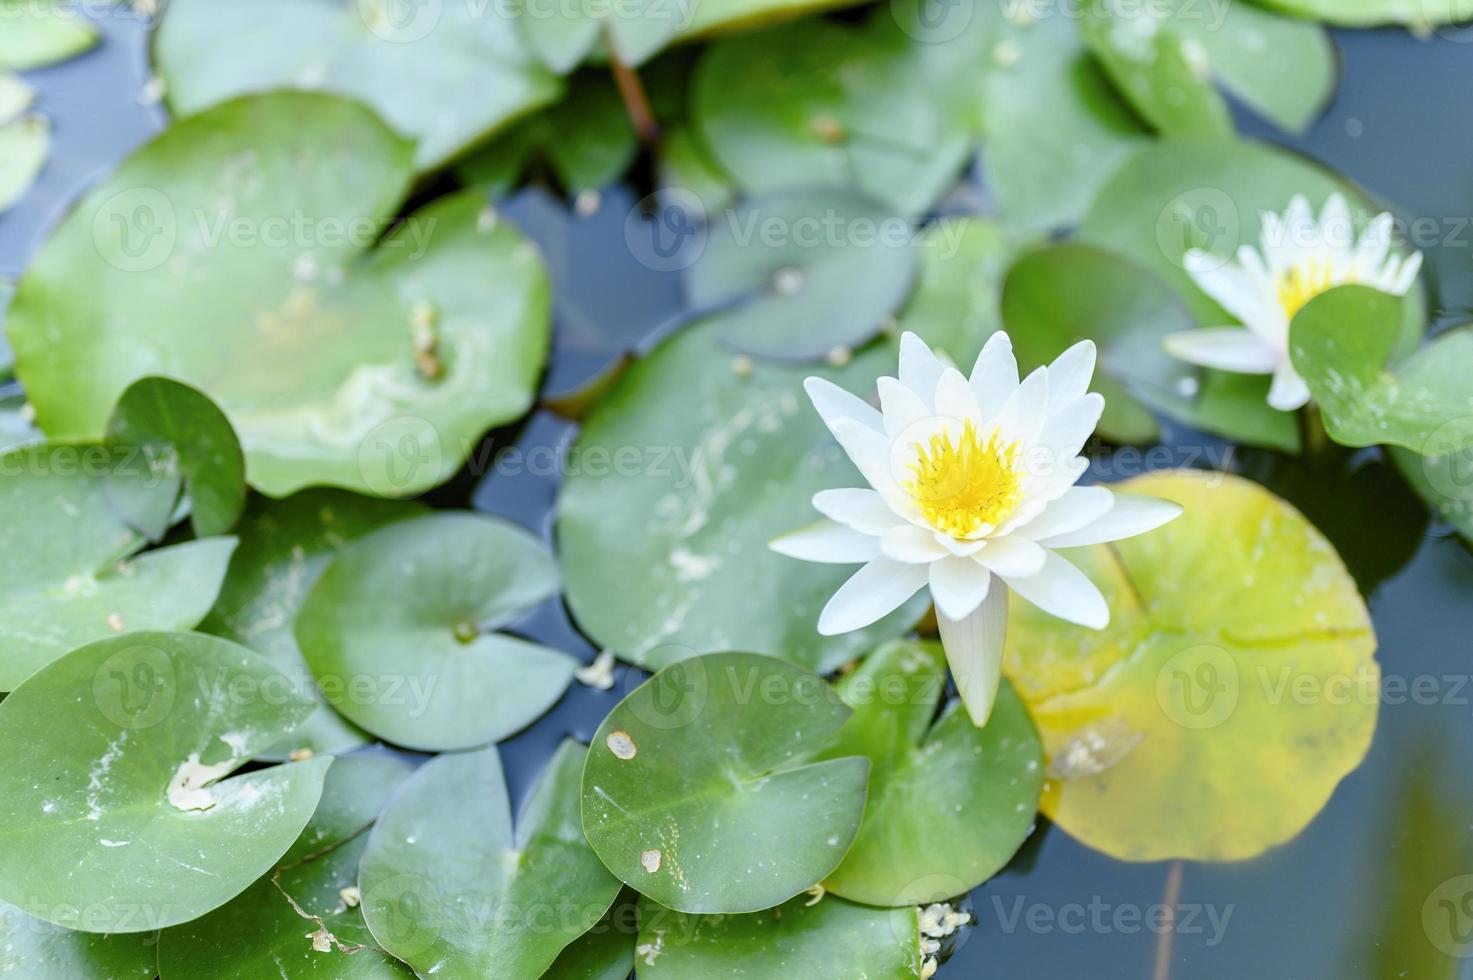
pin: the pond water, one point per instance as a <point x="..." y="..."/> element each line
<point x="1353" y="895"/>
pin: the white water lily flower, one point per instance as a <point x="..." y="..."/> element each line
<point x="1298" y="259"/>
<point x="972" y="488"/>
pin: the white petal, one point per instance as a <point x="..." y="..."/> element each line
<point x="1068" y="428"/>
<point x="1224" y="348"/>
<point x="1407" y="275"/>
<point x="1013" y="555"/>
<point x="1288" y="391"/>
<point x="954" y="397"/>
<point x="974" y="649"/>
<point x="1064" y="591"/>
<point x="871" y="594"/>
<point x="1374" y="245"/>
<point x="901" y="407"/>
<point x="912" y="544"/>
<point x="827" y="542"/>
<point x="1130" y="514"/>
<point x="1238" y="292"/>
<point x="920" y="369"/>
<point x="958" y="586"/>
<point x="1070" y="374"/>
<point x="1023" y="415"/>
<point x="995" y="375"/>
<point x="1337" y="232"/>
<point x="1075" y="508"/>
<point x="834" y="403"/>
<point x="870" y="451"/>
<point x="863" y="510"/>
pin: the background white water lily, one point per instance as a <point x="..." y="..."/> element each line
<point x="1298" y="258"/>
<point x="972" y="487"/>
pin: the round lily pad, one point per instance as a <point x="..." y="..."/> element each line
<point x="696" y="793"/>
<point x="118" y="816"/>
<point x="446" y="74"/>
<point x="232" y="253"/>
<point x="285" y="545"/>
<point x="828" y="938"/>
<point x="1365" y="13"/>
<point x="39" y="950"/>
<point x="1177" y="195"/>
<point x="1233" y="689"/>
<point x="399" y="632"/>
<point x="679" y="478"/>
<point x="807" y="272"/>
<point x="822" y="104"/>
<point x="302" y="920"/>
<point x="449" y="888"/>
<point x="949" y="803"/>
<point x="41" y="32"/>
<point x="1165" y="58"/>
<point x="1061" y="294"/>
<point x="190" y="441"/>
<point x="72" y="572"/>
<point x="605" y="952"/>
<point x="1341" y="343"/>
<point x="24" y="146"/>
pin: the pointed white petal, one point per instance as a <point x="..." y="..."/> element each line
<point x="958" y="586"/>
<point x="1337" y="232"/>
<point x="870" y="451"/>
<point x="863" y="510"/>
<point x="1023" y="415"/>
<point x="901" y="407"/>
<point x="1069" y="427"/>
<point x="871" y="594"/>
<point x="1224" y="348"/>
<point x="1237" y="291"/>
<point x="1075" y="508"/>
<point x="1064" y="591"/>
<point x="834" y="403"/>
<point x="1129" y="515"/>
<point x="995" y="375"/>
<point x="912" y="544"/>
<point x="1288" y="391"/>
<point x="1374" y="246"/>
<point x="920" y="369"/>
<point x="974" y="650"/>
<point x="1070" y="374"/>
<point x="1013" y="555"/>
<point x="1407" y="275"/>
<point x="954" y="397"/>
<point x="827" y="542"/>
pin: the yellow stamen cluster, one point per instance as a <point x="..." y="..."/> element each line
<point x="963" y="485"/>
<point x="1305" y="280"/>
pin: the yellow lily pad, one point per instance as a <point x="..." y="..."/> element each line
<point x="1233" y="690"/>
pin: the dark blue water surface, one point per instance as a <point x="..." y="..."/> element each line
<point x="1349" y="896"/>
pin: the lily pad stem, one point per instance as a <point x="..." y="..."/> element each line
<point x="636" y="102"/>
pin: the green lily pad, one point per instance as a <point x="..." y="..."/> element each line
<point x="191" y="441"/>
<point x="830" y="938"/>
<point x="696" y="793"/>
<point x="1233" y="689"/>
<point x="809" y="271"/>
<point x="586" y="138"/>
<point x="564" y="34"/>
<point x="399" y="632"/>
<point x="1055" y="128"/>
<point x="41" y="32"/>
<point x="267" y="932"/>
<point x="1061" y="294"/>
<point x="949" y="803"/>
<point x="447" y="75"/>
<point x="39" y="950"/>
<point x="820" y="104"/>
<point x="1444" y="477"/>
<point x="113" y="819"/>
<point x="605" y="952"/>
<point x="1165" y="57"/>
<point x="954" y="307"/>
<point x="16" y="97"/>
<point x="688" y="174"/>
<point x="24" y="146"/>
<point x="285" y="545"/>
<point x="1341" y="342"/>
<point x="1209" y="194"/>
<point x="243" y="219"/>
<point x="72" y="572"/>
<point x="1367" y="13"/>
<point x="685" y="470"/>
<point x="451" y="890"/>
